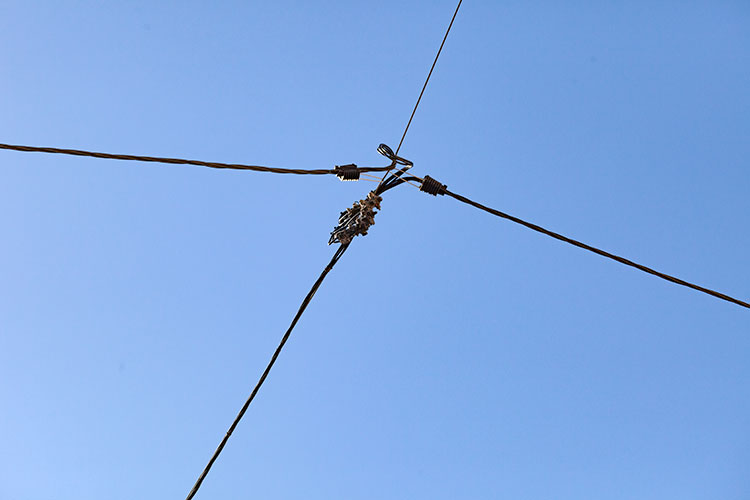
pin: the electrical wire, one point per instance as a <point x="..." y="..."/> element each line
<point x="369" y="177"/>
<point x="393" y="180"/>
<point x="598" y="251"/>
<point x="180" y="161"/>
<point x="339" y="252"/>
<point x="410" y="181"/>
<point x="428" y="76"/>
<point x="419" y="99"/>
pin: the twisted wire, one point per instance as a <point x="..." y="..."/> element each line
<point x="262" y="379"/>
<point x="180" y="161"/>
<point x="598" y="251"/>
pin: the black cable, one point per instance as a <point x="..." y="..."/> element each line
<point x="428" y="77"/>
<point x="598" y="251"/>
<point x="237" y="419"/>
<point x="394" y="180"/>
<point x="180" y="161"/>
<point x="388" y="151"/>
<point x="388" y="182"/>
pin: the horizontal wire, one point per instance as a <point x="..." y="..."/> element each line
<point x="180" y="161"/>
<point x="598" y="251"/>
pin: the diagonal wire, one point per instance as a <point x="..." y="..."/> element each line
<point x="180" y="161"/>
<point x="428" y="76"/>
<point x="419" y="99"/>
<point x="262" y="379"/>
<point x="598" y="251"/>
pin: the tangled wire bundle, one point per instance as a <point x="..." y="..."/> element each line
<point x="356" y="220"/>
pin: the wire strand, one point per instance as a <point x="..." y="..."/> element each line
<point x="180" y="161"/>
<point x="427" y="80"/>
<point x="598" y="251"/>
<point x="276" y="353"/>
<point x="369" y="177"/>
<point x="428" y="77"/>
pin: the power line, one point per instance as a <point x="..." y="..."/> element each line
<point x="428" y="77"/>
<point x="433" y="187"/>
<point x="392" y="155"/>
<point x="262" y="379"/>
<point x="180" y="161"/>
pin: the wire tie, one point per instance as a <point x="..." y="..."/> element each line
<point x="348" y="172"/>
<point x="433" y="187"/>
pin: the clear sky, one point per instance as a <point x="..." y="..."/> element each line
<point x="450" y="354"/>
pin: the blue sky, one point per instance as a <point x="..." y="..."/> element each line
<point x="450" y="354"/>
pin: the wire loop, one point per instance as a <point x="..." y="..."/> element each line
<point x="386" y="151"/>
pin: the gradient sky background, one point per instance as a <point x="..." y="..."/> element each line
<point x="450" y="354"/>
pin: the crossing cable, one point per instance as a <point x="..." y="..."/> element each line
<point x="428" y="76"/>
<point x="180" y="161"/>
<point x="433" y="187"/>
<point x="419" y="99"/>
<point x="339" y="252"/>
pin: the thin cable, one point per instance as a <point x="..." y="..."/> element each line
<point x="598" y="251"/>
<point x="421" y="93"/>
<point x="369" y="177"/>
<point x="413" y="178"/>
<point x="179" y="161"/>
<point x="392" y="181"/>
<point x="395" y="180"/>
<point x="408" y="181"/>
<point x="237" y="419"/>
<point x="428" y="76"/>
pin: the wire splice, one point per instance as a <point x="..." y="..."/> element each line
<point x="433" y="187"/>
<point x="356" y="220"/>
<point x="348" y="172"/>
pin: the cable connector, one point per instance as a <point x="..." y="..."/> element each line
<point x="356" y="220"/>
<point x="433" y="187"/>
<point x="348" y="172"/>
